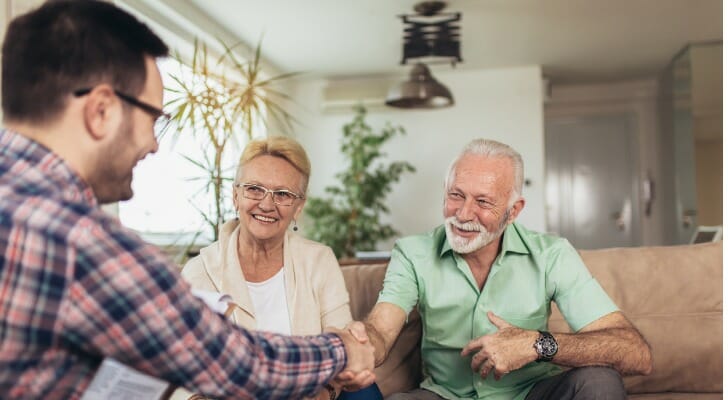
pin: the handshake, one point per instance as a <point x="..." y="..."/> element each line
<point x="360" y="353"/>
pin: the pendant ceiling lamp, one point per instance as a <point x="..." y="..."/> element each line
<point x="429" y="37"/>
<point x="420" y="91"/>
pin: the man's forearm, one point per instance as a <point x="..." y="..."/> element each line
<point x="278" y="367"/>
<point x="377" y="340"/>
<point x="382" y="326"/>
<point x="621" y="348"/>
<point x="189" y="345"/>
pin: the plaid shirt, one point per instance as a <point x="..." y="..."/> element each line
<point x="76" y="286"/>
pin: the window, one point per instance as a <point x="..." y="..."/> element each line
<point x="169" y="205"/>
<point x="169" y="196"/>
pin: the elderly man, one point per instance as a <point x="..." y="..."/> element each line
<point x="81" y="95"/>
<point x="484" y="284"/>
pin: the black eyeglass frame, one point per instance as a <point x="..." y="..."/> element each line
<point x="271" y="191"/>
<point x="160" y="116"/>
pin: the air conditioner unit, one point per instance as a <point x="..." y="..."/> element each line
<point x="342" y="95"/>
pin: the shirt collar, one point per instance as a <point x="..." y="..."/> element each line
<point x="444" y="243"/>
<point x="512" y="242"/>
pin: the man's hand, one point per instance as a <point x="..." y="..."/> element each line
<point x="359" y="330"/>
<point x="348" y="380"/>
<point x="360" y="365"/>
<point x="380" y="330"/>
<point x="506" y="350"/>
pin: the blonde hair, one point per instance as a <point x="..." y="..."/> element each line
<point x="281" y="147"/>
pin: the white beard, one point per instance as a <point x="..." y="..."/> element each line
<point x="463" y="245"/>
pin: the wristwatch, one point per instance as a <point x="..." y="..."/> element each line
<point x="331" y="390"/>
<point x="546" y="346"/>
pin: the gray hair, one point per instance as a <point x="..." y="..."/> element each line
<point x="492" y="149"/>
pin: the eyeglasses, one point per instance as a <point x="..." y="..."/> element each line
<point x="281" y="197"/>
<point x="161" y="118"/>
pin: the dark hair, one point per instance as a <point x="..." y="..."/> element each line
<point x="64" y="46"/>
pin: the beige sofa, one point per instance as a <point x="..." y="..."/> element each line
<point x="672" y="294"/>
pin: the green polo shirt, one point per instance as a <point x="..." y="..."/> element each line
<point x="531" y="270"/>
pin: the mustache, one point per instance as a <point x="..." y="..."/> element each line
<point x="470" y="226"/>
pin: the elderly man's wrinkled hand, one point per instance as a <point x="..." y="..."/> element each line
<point x="506" y="350"/>
<point x="359" y="371"/>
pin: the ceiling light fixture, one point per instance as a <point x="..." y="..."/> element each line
<point x="429" y="37"/>
<point x="420" y="91"/>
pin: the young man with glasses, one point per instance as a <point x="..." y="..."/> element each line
<point x="81" y="95"/>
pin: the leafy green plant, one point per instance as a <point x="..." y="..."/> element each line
<point x="349" y="218"/>
<point x="222" y="102"/>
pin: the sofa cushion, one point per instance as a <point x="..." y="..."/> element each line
<point x="676" y="396"/>
<point x="673" y="295"/>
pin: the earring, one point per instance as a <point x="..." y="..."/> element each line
<point x="295" y="225"/>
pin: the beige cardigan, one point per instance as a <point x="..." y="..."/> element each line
<point x="315" y="288"/>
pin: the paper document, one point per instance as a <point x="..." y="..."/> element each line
<point x="218" y="302"/>
<point x="116" y="381"/>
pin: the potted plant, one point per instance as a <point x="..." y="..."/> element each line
<point x="220" y="102"/>
<point x="348" y="219"/>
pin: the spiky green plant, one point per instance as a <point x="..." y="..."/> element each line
<point x="349" y="218"/>
<point x="222" y="100"/>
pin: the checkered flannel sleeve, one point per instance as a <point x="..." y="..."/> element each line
<point x="126" y="301"/>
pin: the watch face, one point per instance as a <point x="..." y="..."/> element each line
<point x="546" y="346"/>
<point x="549" y="347"/>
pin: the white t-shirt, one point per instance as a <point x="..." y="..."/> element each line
<point x="269" y="302"/>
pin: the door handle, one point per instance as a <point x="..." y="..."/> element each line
<point x="618" y="220"/>
<point x="688" y="218"/>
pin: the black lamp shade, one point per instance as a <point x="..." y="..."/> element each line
<point x="420" y="91"/>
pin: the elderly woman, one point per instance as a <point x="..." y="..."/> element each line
<point x="279" y="281"/>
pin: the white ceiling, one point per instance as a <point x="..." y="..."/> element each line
<point x="574" y="40"/>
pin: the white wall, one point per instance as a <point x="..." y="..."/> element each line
<point x="500" y="104"/>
